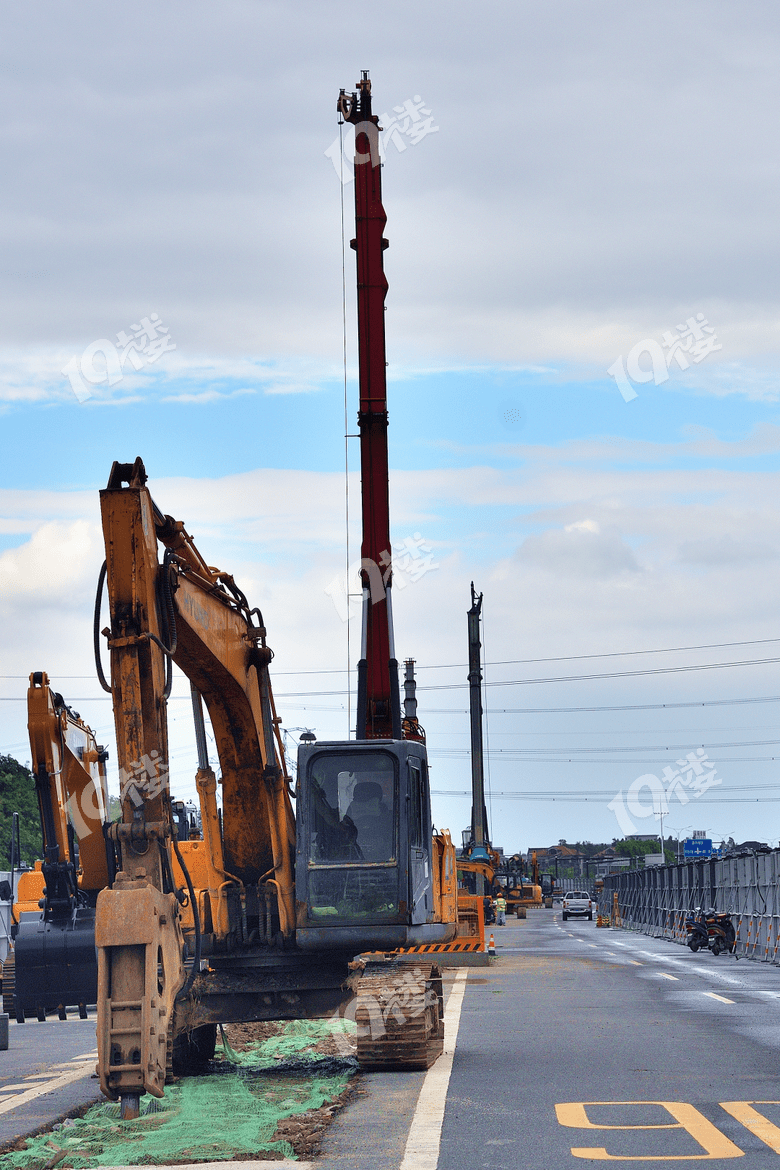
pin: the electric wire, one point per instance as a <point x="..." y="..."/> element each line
<point x="521" y="753"/>
<point x="346" y="415"/>
<point x="487" y="729"/>
<point x="594" y="799"/>
<point x="506" y="662"/>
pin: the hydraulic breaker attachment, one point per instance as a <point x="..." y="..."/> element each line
<point x="140" y="970"/>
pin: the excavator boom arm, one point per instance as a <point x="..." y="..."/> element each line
<point x="184" y="612"/>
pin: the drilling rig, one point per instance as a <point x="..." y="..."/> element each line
<point x="288" y="899"/>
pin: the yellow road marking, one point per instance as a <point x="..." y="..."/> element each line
<point x="664" y="975"/>
<point x="714" y="995"/>
<point x="634" y="963"/>
<point x="708" y="1136"/>
<point x="34" y="1091"/>
<point x="768" y="1133"/>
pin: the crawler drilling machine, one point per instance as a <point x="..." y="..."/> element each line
<point x="286" y="901"/>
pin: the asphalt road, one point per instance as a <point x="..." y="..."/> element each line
<point x="578" y="1027"/>
<point x="581" y="1045"/>
<point x="46" y="1072"/>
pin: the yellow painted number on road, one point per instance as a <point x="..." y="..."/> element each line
<point x="686" y="1117"/>
<point x="744" y="1112"/>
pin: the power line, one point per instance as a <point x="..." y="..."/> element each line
<point x="607" y="792"/>
<point x="613" y="761"/>
<point x="524" y="682"/>
<point x="521" y="753"/>
<point x="609" y="654"/>
<point x="505" y="662"/>
<point x="595" y="799"/>
<point x="628" y="707"/>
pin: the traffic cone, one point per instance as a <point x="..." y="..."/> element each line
<point x="491" y="946"/>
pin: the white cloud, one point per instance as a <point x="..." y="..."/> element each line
<point x="54" y="568"/>
<point x="543" y="234"/>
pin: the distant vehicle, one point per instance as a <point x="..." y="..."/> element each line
<point x="577" y="903"/>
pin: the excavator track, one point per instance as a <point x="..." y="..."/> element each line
<point x="9" y="983"/>
<point x="399" y="1015"/>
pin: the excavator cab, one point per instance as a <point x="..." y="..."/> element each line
<point x="364" y="878"/>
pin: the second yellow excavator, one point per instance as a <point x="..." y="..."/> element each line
<point x="52" y="963"/>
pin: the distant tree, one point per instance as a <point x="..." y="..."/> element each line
<point x="17" y="794"/>
<point x="638" y="849"/>
<point x="589" y="848"/>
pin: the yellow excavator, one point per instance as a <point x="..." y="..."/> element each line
<point x="52" y="964"/>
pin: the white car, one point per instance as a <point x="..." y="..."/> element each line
<point x="577" y="903"/>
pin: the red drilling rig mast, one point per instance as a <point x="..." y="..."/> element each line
<point x="379" y="703"/>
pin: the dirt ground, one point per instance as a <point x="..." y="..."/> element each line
<point x="304" y="1131"/>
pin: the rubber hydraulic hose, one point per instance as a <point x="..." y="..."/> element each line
<point x="96" y="628"/>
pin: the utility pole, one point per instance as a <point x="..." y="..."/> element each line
<point x="479" y="837"/>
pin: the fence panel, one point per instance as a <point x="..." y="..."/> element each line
<point x="655" y="901"/>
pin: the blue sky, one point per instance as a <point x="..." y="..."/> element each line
<point x="186" y="175"/>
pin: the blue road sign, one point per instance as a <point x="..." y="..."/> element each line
<point x="697" y="847"/>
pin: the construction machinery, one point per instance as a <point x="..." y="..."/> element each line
<point x="53" y="964"/>
<point x="282" y="902"/>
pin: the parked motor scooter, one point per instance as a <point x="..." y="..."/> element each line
<point x="721" y="932"/>
<point x="712" y="930"/>
<point x="696" y="929"/>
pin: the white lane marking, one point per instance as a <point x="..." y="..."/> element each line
<point x="593" y="945"/>
<point x="714" y="995"/>
<point x="76" y="1060"/>
<point x="634" y="963"/>
<point x="46" y="1087"/>
<point x="710" y="974"/>
<point x="664" y="975"/>
<point x="422" y="1145"/>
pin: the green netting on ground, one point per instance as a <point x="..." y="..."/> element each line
<point x="233" y="1110"/>
<point x="295" y="1046"/>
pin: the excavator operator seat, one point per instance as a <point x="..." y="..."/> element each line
<point x="363" y="875"/>
<point x="373" y="820"/>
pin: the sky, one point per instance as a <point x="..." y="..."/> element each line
<point x="571" y="189"/>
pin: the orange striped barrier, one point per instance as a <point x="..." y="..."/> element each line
<point x="441" y="948"/>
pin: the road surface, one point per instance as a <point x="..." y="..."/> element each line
<point x="580" y="1046"/>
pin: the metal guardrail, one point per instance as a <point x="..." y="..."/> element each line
<point x="655" y="901"/>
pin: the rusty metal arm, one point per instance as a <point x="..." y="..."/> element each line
<point x="191" y="613"/>
<point x="70" y="772"/>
